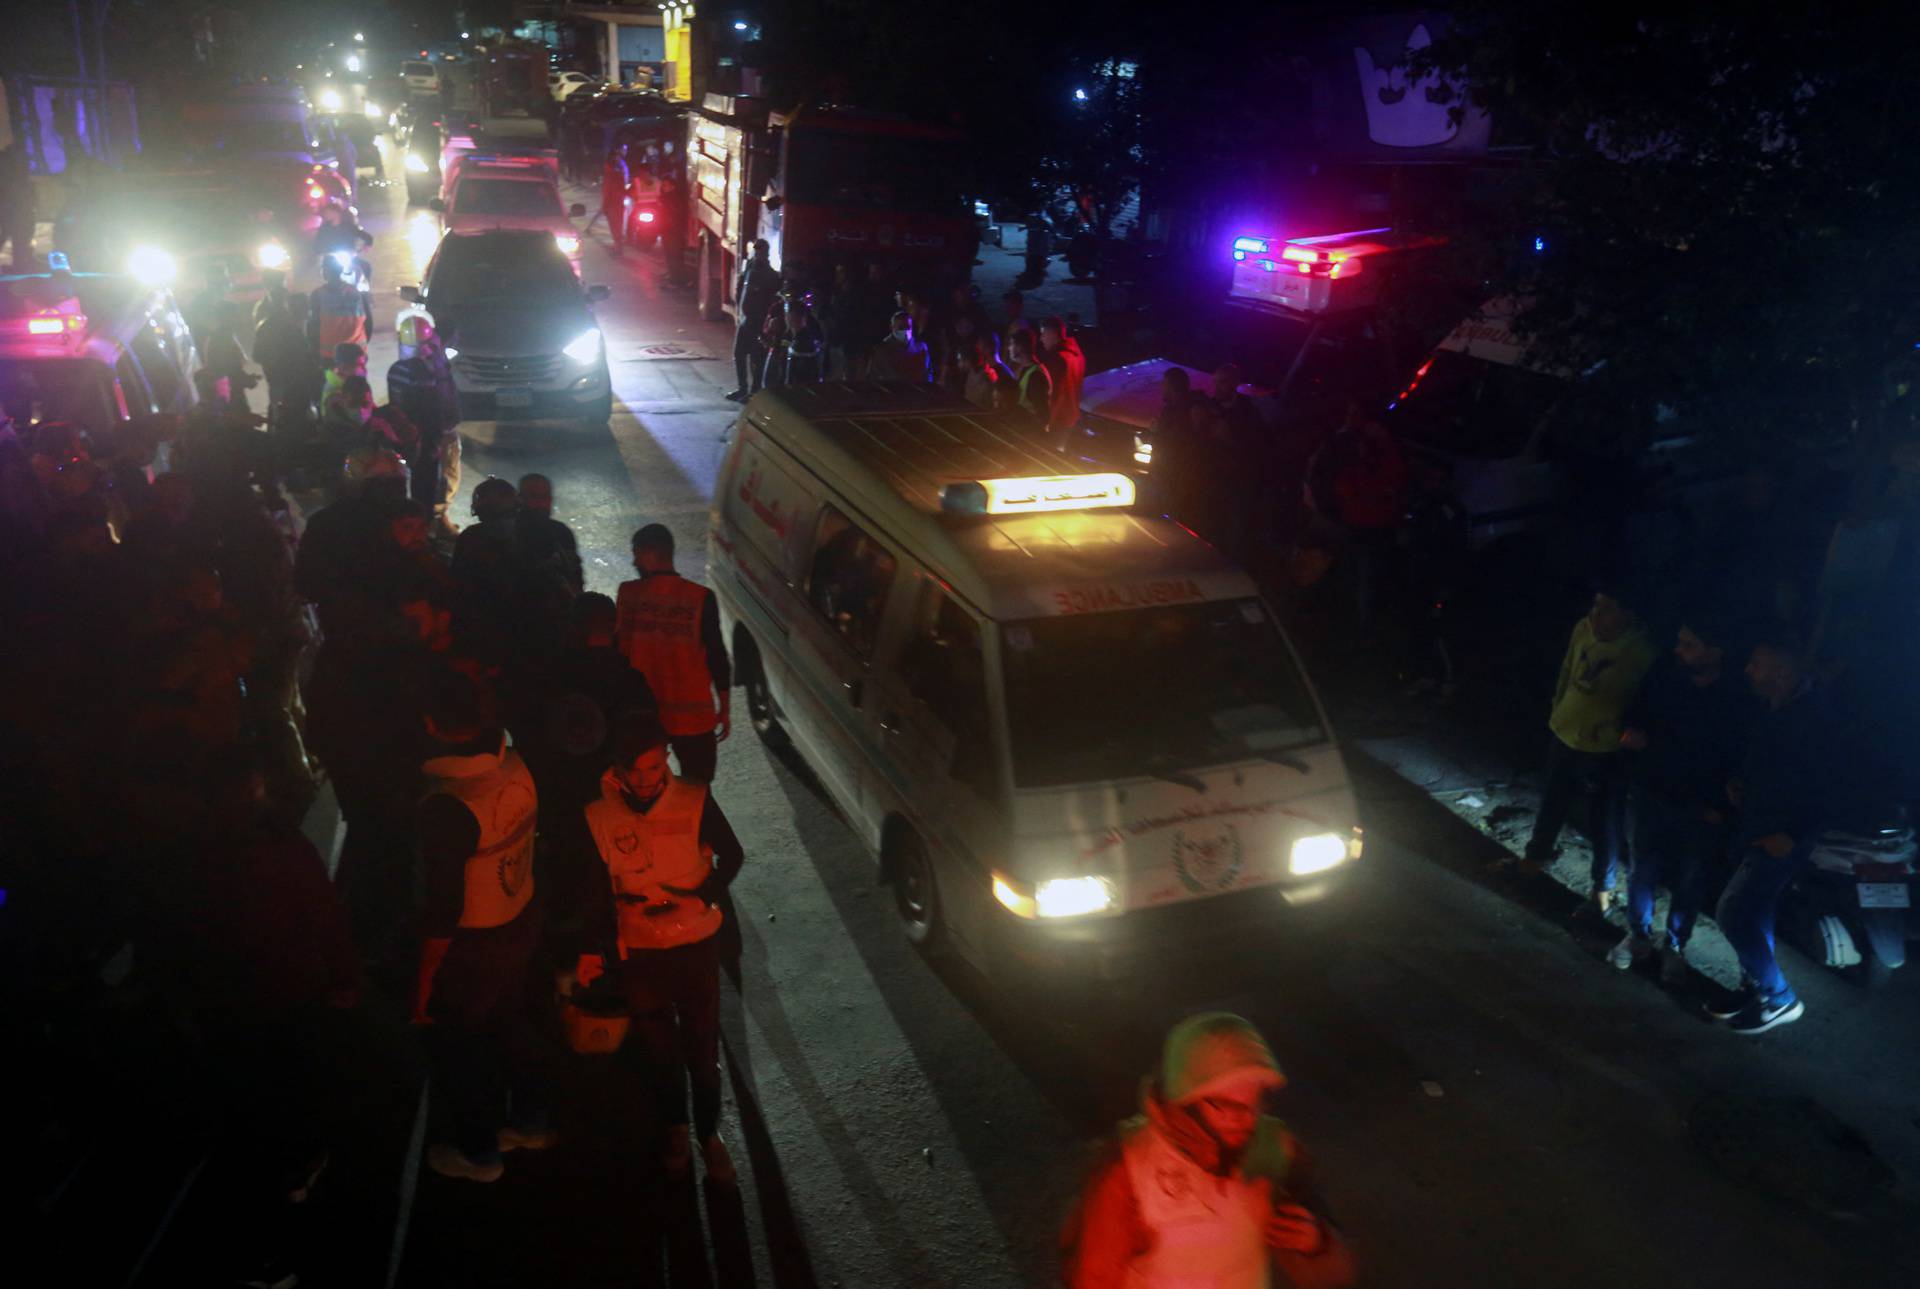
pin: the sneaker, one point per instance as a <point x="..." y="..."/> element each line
<point x="737" y="396"/>
<point x="512" y="1138"/>
<point x="1673" y="965"/>
<point x="678" y="1156"/>
<point x="1729" y="1003"/>
<point x="451" y="1161"/>
<point x="1632" y="948"/>
<point x="1758" y="1017"/>
<point x="718" y="1162"/>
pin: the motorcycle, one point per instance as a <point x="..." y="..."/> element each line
<point x="1854" y="906"/>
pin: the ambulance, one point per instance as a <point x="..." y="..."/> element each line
<point x="92" y="349"/>
<point x="1073" y="736"/>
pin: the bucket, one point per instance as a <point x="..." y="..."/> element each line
<point x="592" y="1030"/>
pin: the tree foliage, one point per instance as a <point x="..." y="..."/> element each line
<point x="1727" y="202"/>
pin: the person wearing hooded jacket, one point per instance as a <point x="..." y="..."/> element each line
<point x="670" y="856"/>
<point x="1201" y="1190"/>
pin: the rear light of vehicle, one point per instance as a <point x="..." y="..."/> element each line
<point x="646" y="217"/>
<point x="45" y="326"/>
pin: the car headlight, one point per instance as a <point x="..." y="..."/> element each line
<point x="1056" y="897"/>
<point x="151" y="265"/>
<point x="416" y="164"/>
<point x="329" y="100"/>
<point x="271" y="255"/>
<point x="375" y="111"/>
<point x="567" y="242"/>
<point x="584" y="348"/>
<point x="1319" y="852"/>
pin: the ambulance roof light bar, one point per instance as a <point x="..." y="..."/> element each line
<point x="1037" y="494"/>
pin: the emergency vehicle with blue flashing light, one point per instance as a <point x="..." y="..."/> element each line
<point x="92" y="349"/>
<point x="1073" y="735"/>
<point x="1302" y="326"/>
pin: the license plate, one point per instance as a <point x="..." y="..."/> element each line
<point x="513" y="397"/>
<point x="1883" y="895"/>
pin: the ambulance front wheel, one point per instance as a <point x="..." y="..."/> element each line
<point x="916" y="891"/>
<point x="753" y="678"/>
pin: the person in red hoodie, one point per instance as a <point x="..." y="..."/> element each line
<point x="1201" y="1188"/>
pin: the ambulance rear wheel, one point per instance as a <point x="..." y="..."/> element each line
<point x="916" y="891"/>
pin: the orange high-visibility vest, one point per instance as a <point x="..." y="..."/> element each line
<point x="659" y="630"/>
<point x="498" y="789"/>
<point x="647" y="853"/>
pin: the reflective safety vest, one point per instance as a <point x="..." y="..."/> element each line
<point x="1209" y="1232"/>
<point x="497" y="788"/>
<point x="659" y="618"/>
<point x="340" y="317"/>
<point x="645" y="854"/>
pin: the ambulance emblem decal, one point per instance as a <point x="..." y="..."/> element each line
<point x="1210" y="862"/>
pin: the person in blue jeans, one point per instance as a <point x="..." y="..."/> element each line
<point x="1684" y="734"/>
<point x="1782" y="795"/>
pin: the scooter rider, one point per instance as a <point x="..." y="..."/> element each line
<point x="670" y="856"/>
<point x="1202" y="1188"/>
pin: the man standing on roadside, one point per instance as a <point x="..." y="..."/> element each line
<point x="1685" y="733"/>
<point x="1782" y="795"/>
<point x="1067" y="367"/>
<point x="669" y="630"/>
<point x="1606" y="658"/>
<point x="753" y="296"/>
<point x="614" y="180"/>
<point x="475" y="827"/>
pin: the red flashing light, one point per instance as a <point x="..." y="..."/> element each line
<point x="316" y="192"/>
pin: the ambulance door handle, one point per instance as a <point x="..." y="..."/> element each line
<point x="854" y="689"/>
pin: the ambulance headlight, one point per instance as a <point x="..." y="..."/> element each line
<point x="151" y="265"/>
<point x="1318" y="853"/>
<point x="584" y="348"/>
<point x="271" y="255"/>
<point x="569" y="245"/>
<point x="1056" y="897"/>
<point x="1068" y="897"/>
<point x="374" y="111"/>
<point x="416" y="164"/>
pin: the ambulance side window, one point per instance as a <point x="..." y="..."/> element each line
<point x="154" y="350"/>
<point x="133" y="386"/>
<point x="944" y="667"/>
<point x="849" y="580"/>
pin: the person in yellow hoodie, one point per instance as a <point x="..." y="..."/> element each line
<point x="1607" y="658"/>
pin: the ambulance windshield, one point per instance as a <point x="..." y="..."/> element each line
<point x="1099" y="696"/>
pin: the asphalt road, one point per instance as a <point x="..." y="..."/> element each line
<point x="1487" y="1102"/>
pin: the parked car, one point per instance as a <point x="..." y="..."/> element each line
<point x="564" y="85"/>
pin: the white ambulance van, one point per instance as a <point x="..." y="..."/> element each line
<point x="1071" y="733"/>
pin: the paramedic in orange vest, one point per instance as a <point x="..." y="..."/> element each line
<point x="669" y="630"/>
<point x="1202" y="1188"/>
<point x="670" y="856"/>
<point x="478" y="925"/>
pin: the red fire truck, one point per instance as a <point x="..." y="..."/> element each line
<point x="821" y="185"/>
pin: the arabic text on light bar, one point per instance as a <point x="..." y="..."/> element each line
<point x="1057" y="492"/>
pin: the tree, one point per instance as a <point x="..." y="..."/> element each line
<point x="1725" y="203"/>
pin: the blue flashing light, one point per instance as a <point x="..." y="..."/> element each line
<point x="1539" y="245"/>
<point x="57" y="262"/>
<point x="1255" y="245"/>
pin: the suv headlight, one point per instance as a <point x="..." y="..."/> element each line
<point x="1319" y="852"/>
<point x="271" y="255"/>
<point x="584" y="348"/>
<point x="416" y="164"/>
<point x="151" y="266"/>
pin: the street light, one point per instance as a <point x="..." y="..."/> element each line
<point x="739" y="26"/>
<point x="353" y="62"/>
<point x="359" y="39"/>
<point x="1079" y="96"/>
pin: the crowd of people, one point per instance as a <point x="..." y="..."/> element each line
<point x="204" y="662"/>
